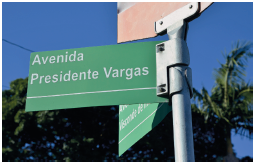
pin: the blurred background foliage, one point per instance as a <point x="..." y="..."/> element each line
<point x="91" y="134"/>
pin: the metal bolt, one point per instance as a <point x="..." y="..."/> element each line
<point x="161" y="49"/>
<point x="161" y="22"/>
<point x="162" y="90"/>
<point x="190" y="6"/>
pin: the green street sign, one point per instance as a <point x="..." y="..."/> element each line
<point x="93" y="76"/>
<point x="137" y="120"/>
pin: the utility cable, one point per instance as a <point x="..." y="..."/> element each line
<point x="17" y="45"/>
<point x="5" y="86"/>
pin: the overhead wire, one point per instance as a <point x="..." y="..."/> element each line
<point x="17" y="45"/>
<point x="5" y="86"/>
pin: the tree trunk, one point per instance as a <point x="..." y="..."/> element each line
<point x="230" y="153"/>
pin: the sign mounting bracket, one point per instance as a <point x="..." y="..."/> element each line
<point x="183" y="13"/>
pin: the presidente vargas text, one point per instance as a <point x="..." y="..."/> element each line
<point x="128" y="73"/>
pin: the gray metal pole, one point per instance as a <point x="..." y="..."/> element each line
<point x="180" y="79"/>
<point x="174" y="55"/>
<point x="182" y="123"/>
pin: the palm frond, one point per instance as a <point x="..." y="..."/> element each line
<point x="235" y="63"/>
<point x="231" y="99"/>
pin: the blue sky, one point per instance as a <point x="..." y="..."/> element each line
<point x="57" y="26"/>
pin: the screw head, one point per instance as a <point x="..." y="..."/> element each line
<point x="162" y="90"/>
<point x="161" y="22"/>
<point x="161" y="49"/>
<point x="190" y="6"/>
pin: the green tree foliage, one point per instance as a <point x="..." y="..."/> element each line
<point x="230" y="104"/>
<point x="85" y="134"/>
<point x="80" y="134"/>
<point x="13" y="101"/>
<point x="89" y="134"/>
<point x="209" y="143"/>
<point x="61" y="135"/>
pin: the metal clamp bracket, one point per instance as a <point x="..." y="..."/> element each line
<point x="169" y="55"/>
<point x="181" y="14"/>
